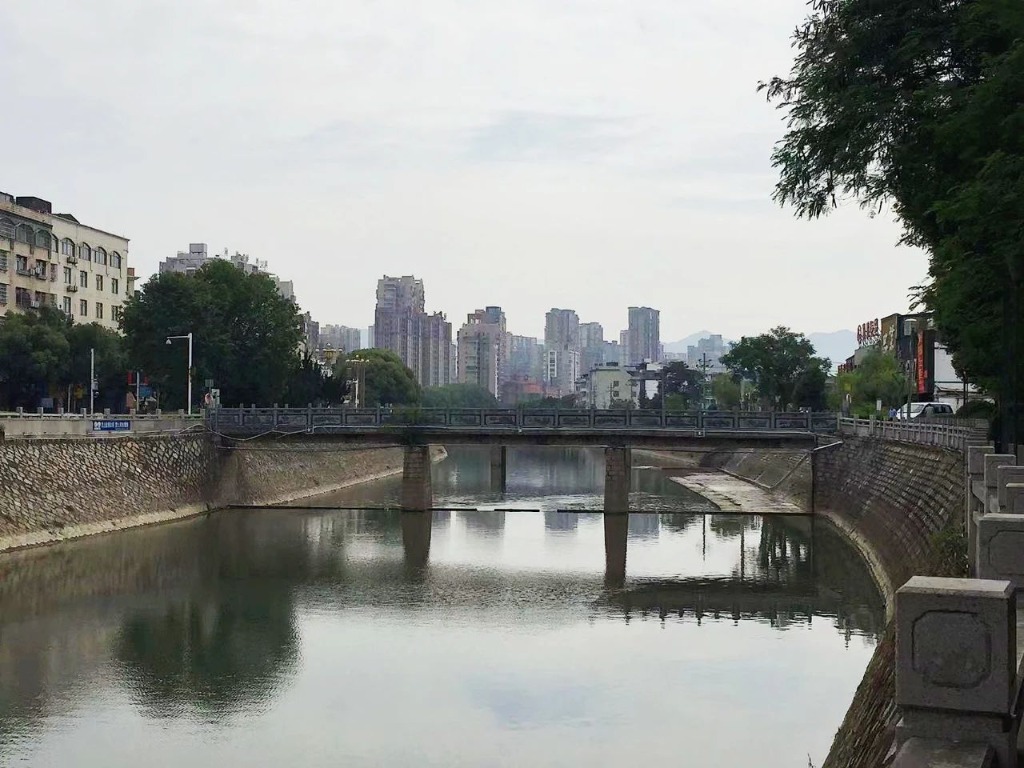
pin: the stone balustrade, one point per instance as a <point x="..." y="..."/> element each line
<point x="958" y="663"/>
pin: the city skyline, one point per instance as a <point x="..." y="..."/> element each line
<point x="606" y="173"/>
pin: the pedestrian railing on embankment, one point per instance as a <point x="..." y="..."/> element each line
<point x="21" y="424"/>
<point x="931" y="433"/>
<point x="959" y="682"/>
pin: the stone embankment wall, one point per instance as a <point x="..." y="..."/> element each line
<point x="55" y="489"/>
<point x="895" y="501"/>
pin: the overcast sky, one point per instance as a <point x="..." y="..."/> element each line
<point x="590" y="154"/>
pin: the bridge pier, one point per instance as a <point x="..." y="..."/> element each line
<point x="417" y="493"/>
<point x="616" y="528"/>
<point x="416" y="527"/>
<point x="618" y="466"/>
<point x="499" y="467"/>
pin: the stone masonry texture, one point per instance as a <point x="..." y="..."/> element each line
<point x="49" y="485"/>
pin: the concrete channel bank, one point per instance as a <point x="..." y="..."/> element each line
<point x="900" y="504"/>
<point x="55" y="489"/>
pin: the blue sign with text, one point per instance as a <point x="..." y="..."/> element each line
<point x="112" y="425"/>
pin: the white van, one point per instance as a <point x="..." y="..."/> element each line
<point x="918" y="410"/>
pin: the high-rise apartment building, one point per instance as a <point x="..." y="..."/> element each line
<point x="592" y="346"/>
<point x="562" y="350"/>
<point x="706" y="354"/>
<point x="643" y="336"/>
<point x="483" y="350"/>
<point x="400" y="323"/>
<point x="52" y="259"/>
<point x="526" y="358"/>
<point x="198" y="256"/>
<point x="340" y="337"/>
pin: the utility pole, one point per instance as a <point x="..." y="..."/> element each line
<point x="92" y="380"/>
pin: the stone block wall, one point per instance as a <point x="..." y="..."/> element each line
<point x="56" y="489"/>
<point x="894" y="496"/>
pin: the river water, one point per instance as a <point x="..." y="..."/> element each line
<point x="326" y="637"/>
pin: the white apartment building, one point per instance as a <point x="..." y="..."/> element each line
<point x="198" y="255"/>
<point x="609" y="384"/>
<point x="49" y="259"/>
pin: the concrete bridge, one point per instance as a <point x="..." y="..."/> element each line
<point x="617" y="431"/>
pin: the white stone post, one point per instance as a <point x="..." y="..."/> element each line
<point x="956" y="663"/>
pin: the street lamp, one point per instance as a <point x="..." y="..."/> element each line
<point x="189" y="337"/>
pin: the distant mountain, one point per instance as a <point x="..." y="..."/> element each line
<point x="836" y="346"/>
<point x="679" y="347"/>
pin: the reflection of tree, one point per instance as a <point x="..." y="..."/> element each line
<point x="217" y="653"/>
<point x="679" y="521"/>
<point x="730" y="526"/>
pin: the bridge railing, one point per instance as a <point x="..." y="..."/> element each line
<point x="256" y="420"/>
<point x="930" y="433"/>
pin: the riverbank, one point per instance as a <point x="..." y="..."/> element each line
<point x="55" y="490"/>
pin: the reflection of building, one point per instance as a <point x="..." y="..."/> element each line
<point x="561" y="521"/>
<point x="562" y="350"/>
<point x="644" y="525"/>
<point x="643" y="335"/>
<point x="423" y="342"/>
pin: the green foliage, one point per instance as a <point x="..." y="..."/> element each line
<point x="921" y="106"/>
<point x="386" y="379"/>
<point x="566" y="401"/>
<point x="726" y="390"/>
<point x="111" y="366"/>
<point x="977" y="409"/>
<point x="312" y="384"/>
<point x="878" y="376"/>
<point x="783" y="367"/>
<point x="458" y="396"/>
<point x="33" y="356"/>
<point x="245" y="335"/>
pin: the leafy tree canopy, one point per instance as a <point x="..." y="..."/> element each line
<point x="921" y="106"/>
<point x="245" y="334"/>
<point x="783" y="367"/>
<point x="458" y="396"/>
<point x="384" y="377"/>
<point x="33" y="356"/>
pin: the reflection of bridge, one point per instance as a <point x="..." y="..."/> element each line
<point x="616" y="430"/>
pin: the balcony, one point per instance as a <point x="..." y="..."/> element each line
<point x="25" y="271"/>
<point x="71" y="288"/>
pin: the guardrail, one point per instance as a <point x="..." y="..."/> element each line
<point x="15" y="425"/>
<point x="258" y="420"/>
<point x="930" y="433"/>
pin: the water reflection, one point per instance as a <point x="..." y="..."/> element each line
<point x="292" y="622"/>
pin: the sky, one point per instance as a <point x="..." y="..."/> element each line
<point x="589" y="154"/>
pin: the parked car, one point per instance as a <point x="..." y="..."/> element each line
<point x="919" y="410"/>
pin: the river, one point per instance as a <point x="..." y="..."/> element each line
<point x="341" y="637"/>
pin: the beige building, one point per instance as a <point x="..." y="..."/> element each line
<point x="483" y="350"/>
<point x="609" y="385"/>
<point x="55" y="260"/>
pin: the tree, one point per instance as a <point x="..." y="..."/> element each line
<point x="458" y="396"/>
<point x="878" y="376"/>
<point x="385" y="379"/>
<point x="782" y="364"/>
<point x="33" y="356"/>
<point x="920" y="105"/>
<point x="111" y="366"/>
<point x="313" y="384"/>
<point x="681" y="385"/>
<point x="245" y="334"/>
<point x="726" y="390"/>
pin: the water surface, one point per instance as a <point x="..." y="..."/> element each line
<point x="327" y="637"/>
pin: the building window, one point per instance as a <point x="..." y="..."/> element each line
<point x="115" y="260"/>
<point x="115" y="313"/>
<point x="83" y="279"/>
<point x="42" y="239"/>
<point x="99" y="282"/>
<point x="68" y="276"/>
<point x="6" y="229"/>
<point x="84" y="252"/>
<point x="3" y="294"/>
<point x="100" y="256"/>
<point x="99" y="311"/>
<point x="5" y="260"/>
<point x="21" y="265"/>
<point x="115" y="285"/>
<point x="25" y="233"/>
<point x="67" y="247"/>
<point x="67" y="306"/>
<point x="83" y="308"/>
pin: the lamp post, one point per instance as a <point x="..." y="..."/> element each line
<point x="189" y="337"/>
